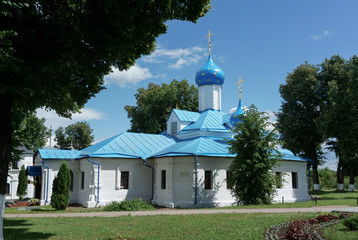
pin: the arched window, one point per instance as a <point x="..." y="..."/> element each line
<point x="71" y="185"/>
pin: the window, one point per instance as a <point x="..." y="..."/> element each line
<point x="228" y="175"/>
<point x="7" y="189"/>
<point x="294" y="180"/>
<point x="174" y="128"/>
<point x="124" y="180"/>
<point x="164" y="180"/>
<point x="278" y="180"/>
<point x="82" y="180"/>
<point x="208" y="180"/>
<point x="71" y="185"/>
<point x="15" y="164"/>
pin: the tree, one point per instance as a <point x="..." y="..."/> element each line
<point x="22" y="186"/>
<point x="77" y="135"/>
<point x="28" y="131"/>
<point x="336" y="118"/>
<point x="155" y="103"/>
<point x="53" y="54"/>
<point x="299" y="111"/>
<point x="255" y="148"/>
<point x="61" y="188"/>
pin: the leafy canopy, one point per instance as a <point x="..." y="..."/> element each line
<point x="251" y="176"/>
<point x="155" y="103"/>
<point x="78" y="135"/>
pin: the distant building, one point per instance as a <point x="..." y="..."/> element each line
<point x="184" y="167"/>
<point x="13" y="176"/>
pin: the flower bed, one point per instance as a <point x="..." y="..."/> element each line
<point x="302" y="229"/>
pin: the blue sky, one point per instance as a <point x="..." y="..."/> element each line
<point x="262" y="40"/>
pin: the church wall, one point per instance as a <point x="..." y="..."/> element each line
<point x="139" y="184"/>
<point x="287" y="191"/>
<point x="163" y="197"/>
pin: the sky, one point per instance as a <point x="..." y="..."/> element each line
<point x="261" y="40"/>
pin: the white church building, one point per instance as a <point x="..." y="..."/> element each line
<point x="184" y="167"/>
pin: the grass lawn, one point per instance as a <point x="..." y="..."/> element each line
<point x="213" y="226"/>
<point x="338" y="232"/>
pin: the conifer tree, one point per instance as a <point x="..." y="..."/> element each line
<point x="255" y="148"/>
<point x="61" y="188"/>
<point x="22" y="187"/>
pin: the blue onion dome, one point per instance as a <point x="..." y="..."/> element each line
<point x="210" y="74"/>
<point x="234" y="119"/>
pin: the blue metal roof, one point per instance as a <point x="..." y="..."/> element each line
<point x="125" y="145"/>
<point x="210" y="120"/>
<point x="58" y="154"/>
<point x="201" y="146"/>
<point x="186" y="116"/>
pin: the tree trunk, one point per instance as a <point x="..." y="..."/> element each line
<point x="340" y="174"/>
<point x="351" y="180"/>
<point x="5" y="148"/>
<point x="315" y="177"/>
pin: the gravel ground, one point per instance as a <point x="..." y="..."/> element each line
<point x="186" y="212"/>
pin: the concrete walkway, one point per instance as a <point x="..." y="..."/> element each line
<point x="185" y="212"/>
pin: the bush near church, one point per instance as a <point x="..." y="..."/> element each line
<point x="61" y="188"/>
<point x="22" y="187"/>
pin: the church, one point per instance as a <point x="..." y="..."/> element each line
<point x="183" y="167"/>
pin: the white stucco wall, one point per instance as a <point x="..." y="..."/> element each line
<point x="180" y="183"/>
<point x="139" y="180"/>
<point x="13" y="178"/>
<point x="290" y="194"/>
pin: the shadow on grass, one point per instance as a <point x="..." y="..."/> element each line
<point x="20" y="229"/>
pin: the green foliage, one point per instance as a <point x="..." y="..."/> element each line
<point x="132" y="205"/>
<point x="61" y="188"/>
<point x="298" y="113"/>
<point x="255" y="148"/>
<point x="327" y="178"/>
<point x="155" y="103"/>
<point x="22" y="186"/>
<point x="78" y="134"/>
<point x="54" y="54"/>
<point x="28" y="131"/>
<point x="351" y="223"/>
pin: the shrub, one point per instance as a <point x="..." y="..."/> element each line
<point x="351" y="223"/>
<point x="61" y="188"/>
<point x="132" y="205"/>
<point x="22" y="187"/>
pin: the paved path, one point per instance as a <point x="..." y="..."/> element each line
<point x="183" y="212"/>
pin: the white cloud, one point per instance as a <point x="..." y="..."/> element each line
<point x="324" y="34"/>
<point x="176" y="58"/>
<point x="132" y="76"/>
<point x="55" y="121"/>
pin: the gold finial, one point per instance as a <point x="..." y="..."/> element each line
<point x="240" y="82"/>
<point x="209" y="35"/>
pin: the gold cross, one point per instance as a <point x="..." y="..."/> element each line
<point x="240" y="82"/>
<point x="209" y="35"/>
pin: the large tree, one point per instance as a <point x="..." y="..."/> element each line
<point x="300" y="109"/>
<point x="255" y="147"/>
<point x="339" y="113"/>
<point x="77" y="135"/>
<point x="155" y="103"/>
<point x="335" y="120"/>
<point x="53" y="54"/>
